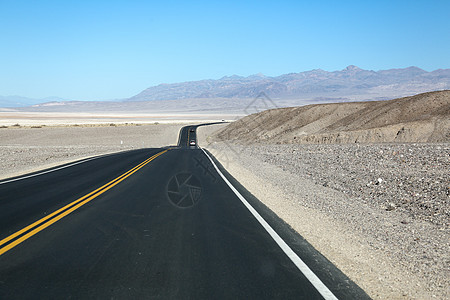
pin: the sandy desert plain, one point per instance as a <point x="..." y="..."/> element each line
<point x="378" y="211"/>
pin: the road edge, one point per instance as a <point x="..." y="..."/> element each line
<point x="300" y="248"/>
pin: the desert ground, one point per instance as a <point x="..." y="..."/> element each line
<point x="27" y="149"/>
<point x="378" y="211"/>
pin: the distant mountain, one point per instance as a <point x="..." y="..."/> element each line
<point x="18" y="101"/>
<point x="352" y="83"/>
<point x="315" y="86"/>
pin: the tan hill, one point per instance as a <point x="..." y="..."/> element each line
<point x="421" y="118"/>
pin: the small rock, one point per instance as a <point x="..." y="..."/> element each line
<point x="390" y="206"/>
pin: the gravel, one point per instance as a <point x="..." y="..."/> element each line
<point x="391" y="199"/>
<point x="412" y="178"/>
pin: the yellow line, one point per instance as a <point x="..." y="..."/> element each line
<point x="189" y="135"/>
<point x="68" y="205"/>
<point x="76" y="204"/>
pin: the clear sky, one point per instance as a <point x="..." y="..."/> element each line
<point x="97" y="50"/>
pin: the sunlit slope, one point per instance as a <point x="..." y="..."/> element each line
<point x="421" y="118"/>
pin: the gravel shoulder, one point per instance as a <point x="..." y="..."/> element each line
<point x="380" y="212"/>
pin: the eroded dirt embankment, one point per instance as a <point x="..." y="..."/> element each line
<point x="416" y="119"/>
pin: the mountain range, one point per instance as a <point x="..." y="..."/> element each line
<point x="347" y="84"/>
<point x="19" y="101"/>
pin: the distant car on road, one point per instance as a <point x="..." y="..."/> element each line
<point x="192" y="142"/>
<point x="192" y="129"/>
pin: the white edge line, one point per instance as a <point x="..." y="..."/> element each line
<point x="315" y="281"/>
<point x="56" y="169"/>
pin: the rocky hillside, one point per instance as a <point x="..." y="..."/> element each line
<point x="421" y="118"/>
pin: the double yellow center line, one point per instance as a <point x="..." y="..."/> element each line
<point x="43" y="223"/>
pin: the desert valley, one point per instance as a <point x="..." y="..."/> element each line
<point x="366" y="183"/>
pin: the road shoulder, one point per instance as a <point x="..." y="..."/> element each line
<point x="360" y="256"/>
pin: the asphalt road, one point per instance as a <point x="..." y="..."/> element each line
<point x="153" y="224"/>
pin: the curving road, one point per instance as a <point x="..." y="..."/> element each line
<point x="165" y="223"/>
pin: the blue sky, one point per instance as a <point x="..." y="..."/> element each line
<point x="97" y="50"/>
